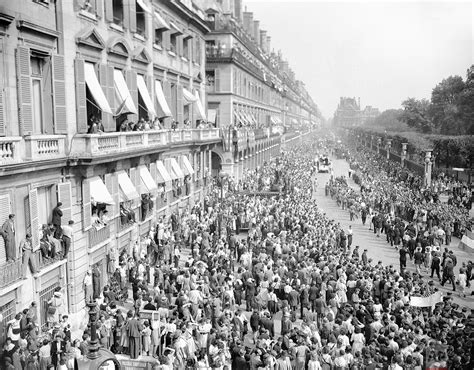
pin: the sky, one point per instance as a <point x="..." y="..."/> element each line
<point x="382" y="52"/>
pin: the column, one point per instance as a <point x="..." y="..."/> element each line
<point x="389" y="146"/>
<point x="428" y="167"/>
<point x="404" y="153"/>
<point x="371" y="142"/>
<point x="379" y="142"/>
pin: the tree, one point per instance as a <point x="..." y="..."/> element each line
<point x="445" y="109"/>
<point x="416" y="114"/>
<point x="466" y="103"/>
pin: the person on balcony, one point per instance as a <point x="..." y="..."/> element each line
<point x="124" y="126"/>
<point x="45" y="246"/>
<point x="8" y="233"/>
<point x="56" y="221"/>
<point x="26" y="247"/>
<point x="67" y="237"/>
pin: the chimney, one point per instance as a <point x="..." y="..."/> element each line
<point x="238" y="10"/>
<point x="269" y="43"/>
<point x="248" y="23"/>
<point x="263" y="41"/>
<point x="256" y="32"/>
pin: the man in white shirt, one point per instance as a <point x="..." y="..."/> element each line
<point x="67" y="237"/>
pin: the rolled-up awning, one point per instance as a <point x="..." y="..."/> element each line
<point x="142" y="89"/>
<point x="199" y="108"/>
<point x="186" y="165"/>
<point x="160" y="22"/>
<point x="163" y="107"/>
<point x="94" y="87"/>
<point x="99" y="192"/>
<point x="189" y="97"/>
<point x="147" y="183"/>
<point x="145" y="7"/>
<point x="127" y="189"/>
<point x="163" y="175"/>
<point x="121" y="91"/>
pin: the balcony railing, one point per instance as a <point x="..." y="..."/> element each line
<point x="42" y="262"/>
<point x="118" y="142"/>
<point x="97" y="236"/>
<point x="10" y="273"/>
<point x="10" y="149"/>
<point x="45" y="146"/>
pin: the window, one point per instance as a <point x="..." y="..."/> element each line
<point x="42" y="102"/>
<point x="174" y="100"/>
<point x="186" y="42"/>
<point x="141" y="21"/>
<point x="118" y="12"/>
<point x="89" y="6"/>
<point x="159" y="34"/>
<point x="47" y="200"/>
<point x="174" y="42"/>
<point x="210" y="81"/>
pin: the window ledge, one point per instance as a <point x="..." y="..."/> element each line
<point x="116" y="27"/>
<point x="157" y="47"/>
<point x="139" y="37"/>
<point x="172" y="53"/>
<point x="88" y="15"/>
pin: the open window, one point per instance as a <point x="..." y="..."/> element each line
<point x="118" y="12"/>
<point x="161" y="26"/>
<point x="141" y="10"/>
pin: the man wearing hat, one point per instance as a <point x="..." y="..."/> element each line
<point x="26" y="246"/>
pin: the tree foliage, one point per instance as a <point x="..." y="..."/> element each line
<point x="416" y="114"/>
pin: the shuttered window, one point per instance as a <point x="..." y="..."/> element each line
<point x="111" y="182"/>
<point x="65" y="197"/>
<point x="25" y="106"/>
<point x="59" y="87"/>
<point x="86" y="205"/>
<point x="179" y="104"/>
<point x="131" y="77"/>
<point x="5" y="210"/>
<point x="81" y="107"/>
<point x="106" y="75"/>
<point x="2" y="93"/>
<point x="34" y="217"/>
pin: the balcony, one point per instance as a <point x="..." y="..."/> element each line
<point x="17" y="149"/>
<point x="42" y="262"/>
<point x="10" y="273"/>
<point x="97" y="145"/>
<point x="97" y="236"/>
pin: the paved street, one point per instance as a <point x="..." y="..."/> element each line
<point x="378" y="248"/>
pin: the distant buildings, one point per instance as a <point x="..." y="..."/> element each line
<point x="349" y="113"/>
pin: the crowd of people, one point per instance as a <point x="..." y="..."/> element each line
<point x="289" y="294"/>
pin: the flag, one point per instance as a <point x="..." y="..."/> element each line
<point x="122" y="109"/>
<point x="429" y="301"/>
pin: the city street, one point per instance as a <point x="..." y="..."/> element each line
<point x="378" y="249"/>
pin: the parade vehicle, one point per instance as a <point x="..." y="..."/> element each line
<point x="324" y="164"/>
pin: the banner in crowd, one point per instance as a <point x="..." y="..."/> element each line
<point x="429" y="301"/>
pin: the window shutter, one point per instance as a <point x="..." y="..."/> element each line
<point x="34" y="221"/>
<point x="153" y="171"/>
<point x="81" y="107"/>
<point x="111" y="89"/>
<point x="107" y="119"/>
<point x="133" y="178"/>
<point x="149" y="84"/>
<point x="131" y="9"/>
<point x="217" y="80"/>
<point x="131" y="77"/>
<point x="179" y="104"/>
<point x="5" y="210"/>
<point x="59" y="85"/>
<point x="2" y="113"/>
<point x="86" y="205"/>
<point x="65" y="197"/>
<point x="166" y="40"/>
<point x="109" y="10"/>
<point x="25" y="103"/>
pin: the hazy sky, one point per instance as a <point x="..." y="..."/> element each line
<point x="382" y="52"/>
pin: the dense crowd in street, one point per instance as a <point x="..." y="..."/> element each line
<point x="292" y="293"/>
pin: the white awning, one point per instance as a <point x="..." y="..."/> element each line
<point x="175" y="29"/>
<point x="99" y="192"/>
<point x="163" y="175"/>
<point x="174" y="169"/>
<point x="147" y="183"/>
<point x="160" y="22"/>
<point x="96" y="90"/>
<point x="186" y="165"/>
<point x="189" y="97"/>
<point x="121" y="91"/>
<point x="127" y="189"/>
<point x="145" y="7"/>
<point x="211" y="115"/>
<point x="199" y="108"/>
<point x="273" y="120"/>
<point x="163" y="108"/>
<point x="142" y="89"/>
